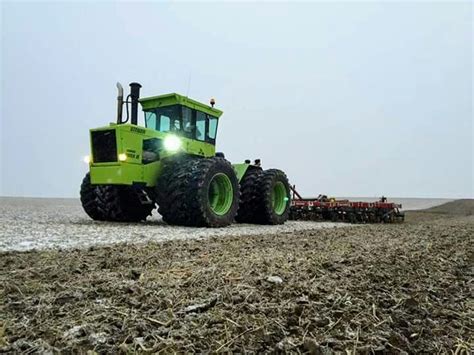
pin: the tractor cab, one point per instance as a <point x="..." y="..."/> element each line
<point x="181" y="116"/>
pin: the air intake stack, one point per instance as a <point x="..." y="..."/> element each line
<point x="134" y="96"/>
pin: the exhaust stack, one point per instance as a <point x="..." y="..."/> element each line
<point x="134" y="96"/>
<point x="119" y="103"/>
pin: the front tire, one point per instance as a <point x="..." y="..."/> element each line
<point x="199" y="192"/>
<point x="92" y="199"/>
<point x="113" y="203"/>
<point x="123" y="204"/>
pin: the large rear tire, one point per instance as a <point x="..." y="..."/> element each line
<point x="200" y="192"/>
<point x="273" y="197"/>
<point x="92" y="199"/>
<point x="247" y="211"/>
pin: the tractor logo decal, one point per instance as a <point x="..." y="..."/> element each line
<point x="137" y="130"/>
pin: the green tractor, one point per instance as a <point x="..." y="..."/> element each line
<point x="171" y="162"/>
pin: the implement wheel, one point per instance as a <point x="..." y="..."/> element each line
<point x="273" y="197"/>
<point x="201" y="192"/>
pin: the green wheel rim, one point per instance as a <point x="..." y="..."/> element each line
<point x="221" y="194"/>
<point x="279" y="198"/>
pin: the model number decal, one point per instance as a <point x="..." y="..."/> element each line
<point x="132" y="154"/>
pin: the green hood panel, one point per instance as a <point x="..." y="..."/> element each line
<point x="133" y="142"/>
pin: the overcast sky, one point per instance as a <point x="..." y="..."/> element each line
<point x="349" y="98"/>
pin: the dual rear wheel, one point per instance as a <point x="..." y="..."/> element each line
<point x="265" y="197"/>
<point x="197" y="192"/>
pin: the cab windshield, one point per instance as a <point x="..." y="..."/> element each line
<point x="164" y="119"/>
<point x="184" y="121"/>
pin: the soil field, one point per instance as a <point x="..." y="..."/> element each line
<point x="36" y="224"/>
<point x="369" y="289"/>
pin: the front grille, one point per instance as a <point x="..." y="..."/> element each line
<point x="104" y="146"/>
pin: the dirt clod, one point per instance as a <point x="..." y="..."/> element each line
<point x="274" y="279"/>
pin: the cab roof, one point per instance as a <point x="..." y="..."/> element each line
<point x="176" y="99"/>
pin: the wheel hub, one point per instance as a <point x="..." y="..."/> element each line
<point x="221" y="194"/>
<point x="279" y="198"/>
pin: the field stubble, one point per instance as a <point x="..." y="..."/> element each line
<point x="374" y="288"/>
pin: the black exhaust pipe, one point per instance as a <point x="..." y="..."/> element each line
<point x="134" y="96"/>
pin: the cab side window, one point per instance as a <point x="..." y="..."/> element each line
<point x="164" y="123"/>
<point x="212" y="131"/>
<point x="200" y="126"/>
<point x="150" y="119"/>
<point x="188" y="126"/>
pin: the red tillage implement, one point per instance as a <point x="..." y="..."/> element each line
<point x="329" y="209"/>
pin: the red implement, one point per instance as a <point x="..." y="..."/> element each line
<point x="324" y="208"/>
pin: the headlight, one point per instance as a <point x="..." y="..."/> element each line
<point x="87" y="159"/>
<point x="122" y="156"/>
<point x="172" y="143"/>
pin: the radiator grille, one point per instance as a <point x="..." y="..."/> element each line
<point x="104" y="146"/>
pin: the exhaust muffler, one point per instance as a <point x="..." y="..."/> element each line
<point x="119" y="103"/>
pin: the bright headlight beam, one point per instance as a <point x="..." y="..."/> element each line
<point x="122" y="156"/>
<point x="87" y="159"/>
<point x="172" y="143"/>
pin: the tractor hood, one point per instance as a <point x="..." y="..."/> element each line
<point x="128" y="154"/>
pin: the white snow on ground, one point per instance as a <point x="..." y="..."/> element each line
<point x="27" y="223"/>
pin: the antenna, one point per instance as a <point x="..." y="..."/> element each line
<point x="189" y="84"/>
